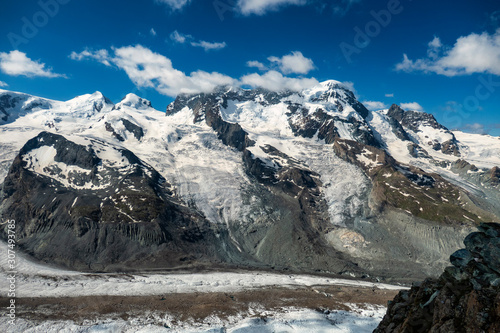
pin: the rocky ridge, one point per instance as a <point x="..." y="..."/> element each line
<point x="465" y="298"/>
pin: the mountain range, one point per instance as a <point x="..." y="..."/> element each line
<point x="307" y="181"/>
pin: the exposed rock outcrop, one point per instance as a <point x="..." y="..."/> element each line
<point x="466" y="298"/>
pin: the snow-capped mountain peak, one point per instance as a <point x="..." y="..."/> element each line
<point x="134" y="101"/>
<point x="89" y="103"/>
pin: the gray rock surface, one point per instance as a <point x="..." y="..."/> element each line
<point x="466" y="297"/>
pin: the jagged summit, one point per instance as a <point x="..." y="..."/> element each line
<point x="327" y="111"/>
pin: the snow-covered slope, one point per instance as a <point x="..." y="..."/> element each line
<point x="305" y="180"/>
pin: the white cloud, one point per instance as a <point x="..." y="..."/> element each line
<point x="174" y="4"/>
<point x="207" y="46"/>
<point x="16" y="63"/>
<point x="293" y="63"/>
<point x="261" y="7"/>
<point x="434" y="48"/>
<point x="475" y="53"/>
<point x="257" y="64"/>
<point x="100" y="55"/>
<point x="148" y="69"/>
<point x="414" y="106"/>
<point x="181" y="38"/>
<point x="176" y="36"/>
<point x="275" y="81"/>
<point x="389" y="95"/>
<point x="3" y="84"/>
<point x="374" y="105"/>
<point x="152" y="32"/>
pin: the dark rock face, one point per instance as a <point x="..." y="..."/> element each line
<point x="450" y="147"/>
<point x="7" y="102"/>
<point x="396" y="112"/>
<point x="494" y="176"/>
<point x="464" y="165"/>
<point x="466" y="298"/>
<point x="319" y="122"/>
<point x="68" y="152"/>
<point x="137" y="131"/>
<point x="396" y="115"/>
<point x="206" y="107"/>
<point x="416" y="151"/>
<point x="396" y="186"/>
<point x="104" y="217"/>
<point x="324" y="125"/>
<point x="230" y="134"/>
<point x="110" y="129"/>
<point x="400" y="119"/>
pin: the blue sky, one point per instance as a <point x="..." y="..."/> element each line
<point x="157" y="48"/>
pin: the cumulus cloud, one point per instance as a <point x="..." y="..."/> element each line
<point x="261" y="7"/>
<point x="257" y="64"/>
<point x="152" y="32"/>
<point x="273" y="80"/>
<point x="414" y="106"/>
<point x="389" y="95"/>
<point x="374" y="105"/>
<point x="149" y="69"/>
<point x="146" y="68"/>
<point x="174" y="4"/>
<point x="207" y="46"/>
<point x="101" y="56"/>
<point x="475" y="53"/>
<point x="293" y="63"/>
<point x="16" y="63"/>
<point x="3" y="84"/>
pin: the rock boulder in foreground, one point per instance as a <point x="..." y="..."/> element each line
<point x="465" y="298"/>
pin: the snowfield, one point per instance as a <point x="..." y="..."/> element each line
<point x="259" y="321"/>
